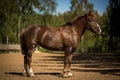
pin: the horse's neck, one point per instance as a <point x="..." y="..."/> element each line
<point x="79" y="27"/>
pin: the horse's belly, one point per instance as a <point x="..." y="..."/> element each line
<point x="52" y="45"/>
<point x="53" y="42"/>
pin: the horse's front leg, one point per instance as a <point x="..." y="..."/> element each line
<point x="27" y="64"/>
<point x="67" y="65"/>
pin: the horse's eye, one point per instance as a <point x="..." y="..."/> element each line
<point x="90" y="20"/>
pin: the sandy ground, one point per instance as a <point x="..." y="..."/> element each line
<point x="48" y="66"/>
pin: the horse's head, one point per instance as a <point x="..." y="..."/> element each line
<point x="91" y="23"/>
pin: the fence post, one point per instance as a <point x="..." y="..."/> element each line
<point x="82" y="39"/>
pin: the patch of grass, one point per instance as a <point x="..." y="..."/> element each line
<point x="42" y="49"/>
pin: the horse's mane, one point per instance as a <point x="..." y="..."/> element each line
<point x="69" y="23"/>
<point x="77" y="19"/>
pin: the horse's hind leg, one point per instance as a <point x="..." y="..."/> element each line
<point x="27" y="64"/>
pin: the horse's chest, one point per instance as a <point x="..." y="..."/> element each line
<point x="70" y="39"/>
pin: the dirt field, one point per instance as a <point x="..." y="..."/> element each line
<point x="48" y="66"/>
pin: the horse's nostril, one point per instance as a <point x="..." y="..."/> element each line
<point x="99" y="32"/>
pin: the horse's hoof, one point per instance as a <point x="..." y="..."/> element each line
<point x="23" y="74"/>
<point x="30" y="75"/>
<point x="66" y="75"/>
<point x="69" y="74"/>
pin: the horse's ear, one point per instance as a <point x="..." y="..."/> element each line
<point x="90" y="12"/>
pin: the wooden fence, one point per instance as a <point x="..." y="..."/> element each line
<point x="16" y="47"/>
<point x="9" y="47"/>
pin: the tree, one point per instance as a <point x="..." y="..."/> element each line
<point x="114" y="25"/>
<point x="101" y="45"/>
<point x="110" y="41"/>
<point x="16" y="14"/>
<point x="79" y="7"/>
<point x="114" y="15"/>
<point x="7" y="20"/>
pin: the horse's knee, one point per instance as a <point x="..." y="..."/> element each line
<point x="28" y="56"/>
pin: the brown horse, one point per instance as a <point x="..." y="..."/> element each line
<point x="65" y="38"/>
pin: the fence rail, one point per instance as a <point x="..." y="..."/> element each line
<point x="16" y="47"/>
<point x="8" y="47"/>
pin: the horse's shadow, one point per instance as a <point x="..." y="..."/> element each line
<point x="111" y="72"/>
<point x="14" y="73"/>
<point x="115" y="72"/>
<point x="49" y="73"/>
<point x="42" y="73"/>
<point x="104" y="63"/>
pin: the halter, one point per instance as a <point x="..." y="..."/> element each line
<point x="88" y="26"/>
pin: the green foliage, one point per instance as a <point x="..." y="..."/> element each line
<point x="42" y="49"/>
<point x="101" y="44"/>
<point x="110" y="41"/>
<point x="79" y="7"/>
<point x="17" y="14"/>
<point x="114" y="25"/>
<point x="8" y="19"/>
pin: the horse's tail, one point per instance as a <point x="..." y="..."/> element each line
<point x="22" y="42"/>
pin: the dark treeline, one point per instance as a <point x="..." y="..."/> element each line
<point x="18" y="14"/>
